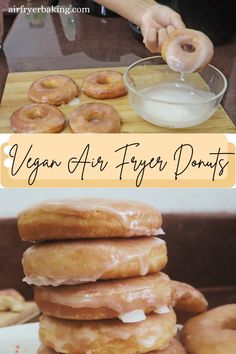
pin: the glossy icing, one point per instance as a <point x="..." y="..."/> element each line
<point x="103" y="255"/>
<point x="132" y="214"/>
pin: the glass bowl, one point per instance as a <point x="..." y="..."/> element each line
<point x="166" y="98"/>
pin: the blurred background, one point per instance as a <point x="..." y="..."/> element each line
<point x="167" y="200"/>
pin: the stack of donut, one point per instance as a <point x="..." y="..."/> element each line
<point x="96" y="267"/>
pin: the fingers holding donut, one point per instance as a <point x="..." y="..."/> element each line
<point x="156" y="23"/>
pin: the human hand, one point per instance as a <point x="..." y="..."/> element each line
<point x="156" y="23"/>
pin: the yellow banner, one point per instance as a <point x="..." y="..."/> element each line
<point x="118" y="160"/>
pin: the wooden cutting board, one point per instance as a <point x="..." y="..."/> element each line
<point x="15" y="96"/>
<point x="29" y="312"/>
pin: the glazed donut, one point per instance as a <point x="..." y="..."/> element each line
<point x="104" y="85"/>
<point x="75" y="262"/>
<point x="187" y="50"/>
<point x="174" y="347"/>
<point x="94" y="118"/>
<point x="89" y="218"/>
<point x="212" y="332"/>
<point x="126" y="299"/>
<point x="53" y="89"/>
<point x="107" y="336"/>
<point x="37" y="118"/>
<point x="188" y="299"/>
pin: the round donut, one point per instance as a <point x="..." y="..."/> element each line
<point x="75" y="262"/>
<point x="53" y="89"/>
<point x="37" y="118"/>
<point x="187" y="50"/>
<point x="212" y="332"/>
<point x="89" y="218"/>
<point x="94" y="118"/>
<point x="107" y="336"/>
<point x="175" y="347"/>
<point x="104" y="85"/>
<point x="126" y="299"/>
<point x="188" y="299"/>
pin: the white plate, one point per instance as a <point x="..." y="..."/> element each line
<point x="20" y="339"/>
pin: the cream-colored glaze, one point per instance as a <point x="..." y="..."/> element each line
<point x="188" y="62"/>
<point x="133" y="316"/>
<point x="122" y="296"/>
<point x="46" y="281"/>
<point x="113" y="256"/>
<point x="148" y="342"/>
<point x="144" y="333"/>
<point x="74" y="102"/>
<point x="123" y="209"/>
<point x="162" y="309"/>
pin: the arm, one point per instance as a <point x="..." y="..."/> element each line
<point x="132" y="10"/>
<point x="156" y="21"/>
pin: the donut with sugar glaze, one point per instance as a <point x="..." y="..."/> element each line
<point x="37" y="118"/>
<point x="104" y="85"/>
<point x="127" y="299"/>
<point x="213" y="332"/>
<point x="89" y="218"/>
<point x="84" y="261"/>
<point x="175" y="347"/>
<point x="53" y="89"/>
<point x="94" y="117"/>
<point x="186" y="50"/>
<point x="108" y="336"/>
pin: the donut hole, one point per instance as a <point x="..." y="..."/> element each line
<point x="102" y="80"/>
<point x="230" y="324"/>
<point x="94" y="117"/>
<point x="188" y="47"/>
<point x="36" y="114"/>
<point x="50" y="84"/>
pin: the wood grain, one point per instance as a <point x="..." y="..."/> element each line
<point x="15" y="96"/>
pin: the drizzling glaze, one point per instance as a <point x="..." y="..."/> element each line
<point x="154" y="332"/>
<point x="103" y="255"/>
<point x="152" y="292"/>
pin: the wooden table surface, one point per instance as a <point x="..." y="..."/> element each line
<point x="84" y="41"/>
